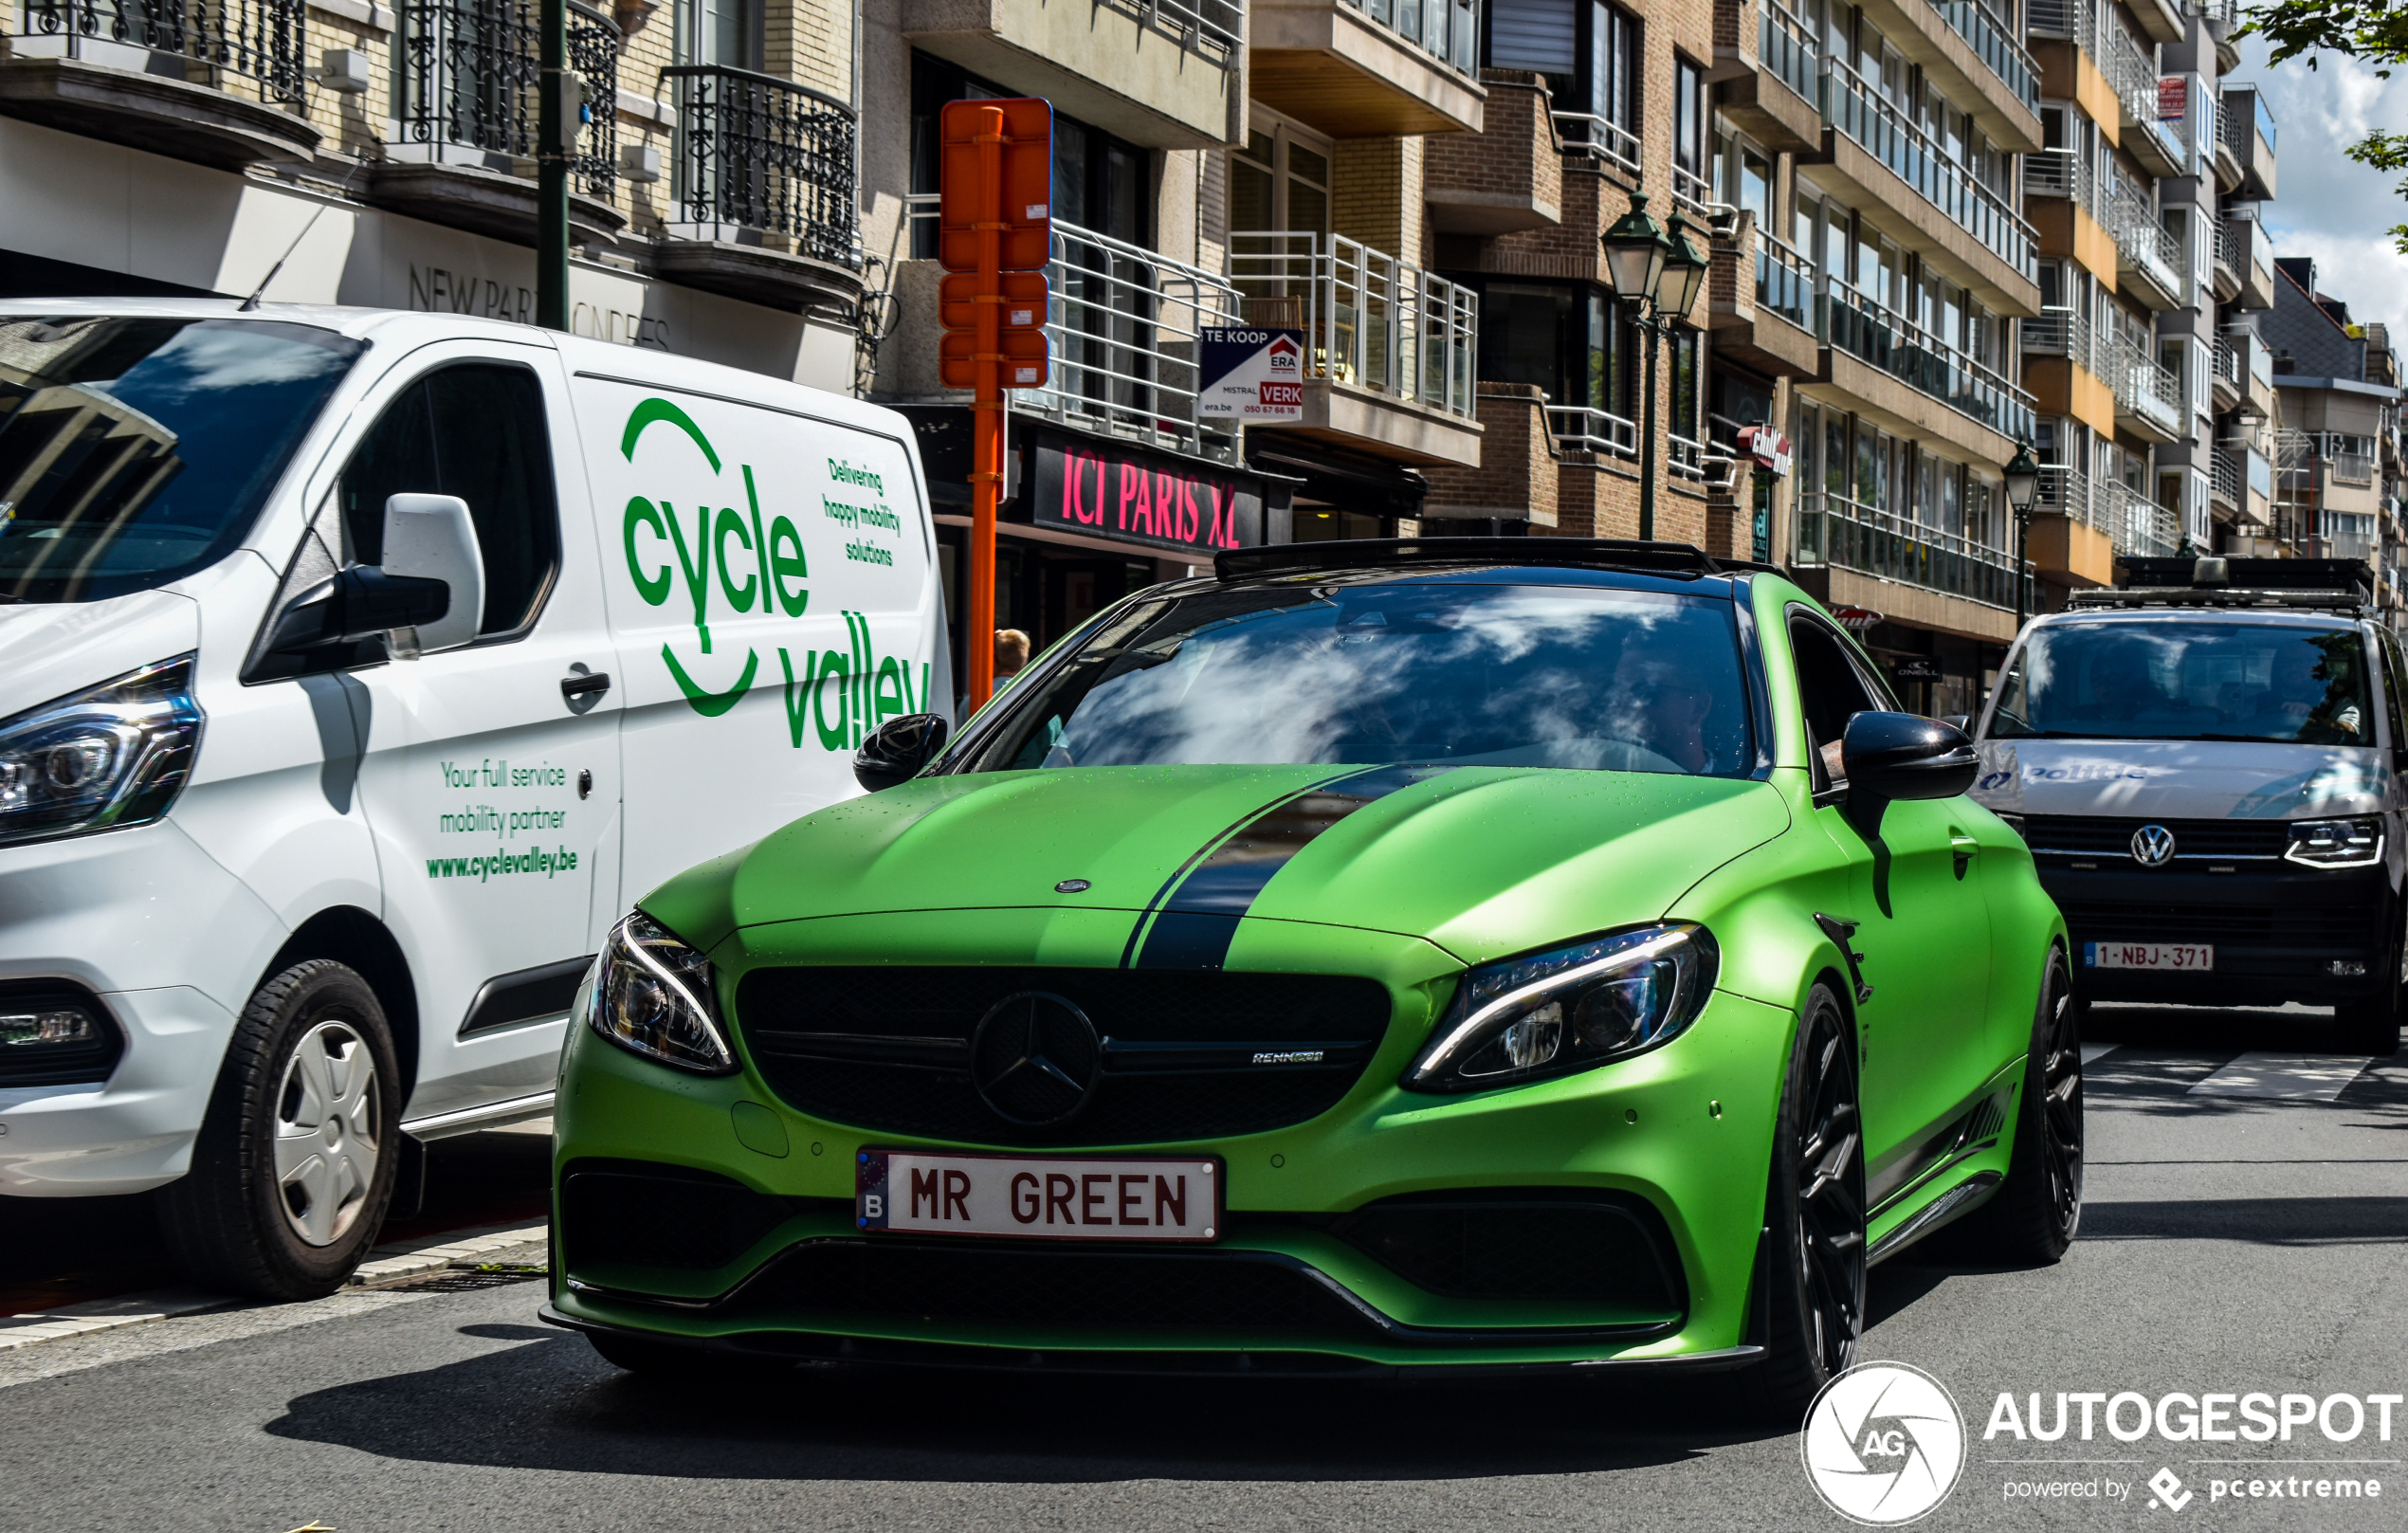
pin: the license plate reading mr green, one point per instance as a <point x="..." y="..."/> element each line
<point x="1032" y="1197"/>
<point x="2190" y="956"/>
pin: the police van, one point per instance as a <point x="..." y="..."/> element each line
<point x="2207" y="766"/>
<point x="358" y="669"/>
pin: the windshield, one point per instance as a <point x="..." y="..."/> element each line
<point x="1539" y="676"/>
<point x="2160" y="679"/>
<point x="134" y="451"/>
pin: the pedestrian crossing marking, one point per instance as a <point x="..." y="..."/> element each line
<point x="2093" y="1050"/>
<point x="2282" y="1077"/>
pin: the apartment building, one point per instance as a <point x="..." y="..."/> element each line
<point x="358" y="151"/>
<point x="1214" y="165"/>
<point x="2335" y="433"/>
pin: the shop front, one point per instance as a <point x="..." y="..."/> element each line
<point x="1085" y="520"/>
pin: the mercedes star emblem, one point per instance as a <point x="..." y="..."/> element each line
<point x="2152" y="846"/>
<point x="1035" y="1059"/>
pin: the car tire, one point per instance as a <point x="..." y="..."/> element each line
<point x="2369" y="1026"/>
<point x="296" y="1157"/>
<point x="1814" y="1212"/>
<point x="2033" y="1217"/>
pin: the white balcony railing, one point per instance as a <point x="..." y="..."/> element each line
<point x="1832" y="529"/>
<point x="1599" y="432"/>
<point x="1372" y="320"/>
<point x="2132" y="523"/>
<point x="1858" y="109"/>
<point x="2144" y="386"/>
<point x="2061" y="332"/>
<point x="1607" y="142"/>
<point x="1122" y="321"/>
<point x="2151" y="248"/>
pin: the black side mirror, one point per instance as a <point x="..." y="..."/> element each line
<point x="1895" y="756"/>
<point x="897" y="749"/>
<point x="1960" y="722"/>
<point x="359" y="603"/>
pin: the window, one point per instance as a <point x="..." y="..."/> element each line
<point x="1100" y="182"/>
<point x="475" y="431"/>
<point x="727" y="32"/>
<point x="1689" y="131"/>
<point x="1686" y="396"/>
<point x="1280" y="180"/>
<point x="1832" y="690"/>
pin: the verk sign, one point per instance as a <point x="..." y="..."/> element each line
<point x="1163" y="502"/>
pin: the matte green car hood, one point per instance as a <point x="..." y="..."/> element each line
<point x="1482" y="861"/>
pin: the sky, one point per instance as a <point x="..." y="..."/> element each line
<point x="2327" y="205"/>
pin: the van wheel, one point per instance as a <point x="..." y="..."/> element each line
<point x="1814" y="1209"/>
<point x="296" y="1159"/>
<point x="2030" y="1220"/>
<point x="2370" y="1026"/>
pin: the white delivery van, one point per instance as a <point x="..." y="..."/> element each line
<point x="2208" y="768"/>
<point x="357" y="670"/>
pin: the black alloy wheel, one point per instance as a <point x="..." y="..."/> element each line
<point x="1814" y="1214"/>
<point x="2032" y="1217"/>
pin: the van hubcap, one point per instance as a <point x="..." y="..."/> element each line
<point x="326" y="1132"/>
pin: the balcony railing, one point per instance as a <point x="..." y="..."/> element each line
<point x="2143" y="386"/>
<point x="2352" y="468"/>
<point x="1785" y="49"/>
<point x="1373" y="321"/>
<point x="262" y="43"/>
<point x="469" y="74"/>
<point x="756" y="152"/>
<point x="1863" y="113"/>
<point x="1686" y="457"/>
<point x="2061" y="332"/>
<point x="2226" y="253"/>
<point x="1785" y="282"/>
<point x="2133" y="523"/>
<point x="1690" y="190"/>
<point x="1994" y="41"/>
<point x="1876" y="334"/>
<point x="2226" y="363"/>
<point x="2061" y="172"/>
<point x="1832" y="529"/>
<point x="1447" y="28"/>
<point x="2092" y="28"/>
<point x="2224" y="481"/>
<point x="2146" y="242"/>
<point x="1610" y="143"/>
<point x="1598" y="432"/>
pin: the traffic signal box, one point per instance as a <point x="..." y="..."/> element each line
<point x="995" y="236"/>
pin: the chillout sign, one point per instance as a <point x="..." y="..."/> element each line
<point x="1161" y="502"/>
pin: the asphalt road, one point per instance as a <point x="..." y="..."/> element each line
<point x="2233" y="1243"/>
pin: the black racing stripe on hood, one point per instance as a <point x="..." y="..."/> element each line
<point x="1195" y="917"/>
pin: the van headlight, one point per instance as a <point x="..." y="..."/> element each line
<point x="2336" y="842"/>
<point x="1568" y="1008"/>
<point x="652" y="995"/>
<point x="99" y="760"/>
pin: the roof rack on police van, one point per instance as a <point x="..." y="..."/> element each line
<point x="1678" y="560"/>
<point x="2303" y="585"/>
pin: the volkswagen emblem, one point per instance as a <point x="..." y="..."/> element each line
<point x="2152" y="846"/>
<point x="1035" y="1059"/>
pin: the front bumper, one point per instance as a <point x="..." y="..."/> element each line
<point x="1683" y="1132"/>
<point x="2315" y="937"/>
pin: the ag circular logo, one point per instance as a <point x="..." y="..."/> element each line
<point x="2152" y="846"/>
<point x="1035" y="1059"/>
<point x="1883" y="1444"/>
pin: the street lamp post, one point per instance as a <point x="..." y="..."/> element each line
<point x="1657" y="273"/>
<point x="2023" y="486"/>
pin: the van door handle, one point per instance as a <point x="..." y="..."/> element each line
<point x="577" y="686"/>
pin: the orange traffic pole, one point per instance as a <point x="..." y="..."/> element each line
<point x="986" y="412"/>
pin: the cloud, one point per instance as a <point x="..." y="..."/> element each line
<point x="2328" y="207"/>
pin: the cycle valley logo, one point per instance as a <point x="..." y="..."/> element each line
<point x="1883" y="1444"/>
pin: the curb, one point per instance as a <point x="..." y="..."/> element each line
<point x="403" y="1264"/>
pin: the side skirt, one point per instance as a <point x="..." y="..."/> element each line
<point x="1949" y="1206"/>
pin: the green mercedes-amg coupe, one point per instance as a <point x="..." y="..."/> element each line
<point x="1445" y="955"/>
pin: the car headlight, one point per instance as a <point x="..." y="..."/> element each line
<point x="2336" y="842"/>
<point x="98" y="760"/>
<point x="654" y="996"/>
<point x="1568" y="1008"/>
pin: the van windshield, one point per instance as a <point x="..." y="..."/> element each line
<point x="2173" y="680"/>
<point x="1600" y="680"/>
<point x="136" y="451"/>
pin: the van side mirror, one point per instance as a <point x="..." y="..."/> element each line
<point x="433" y="537"/>
<point x="1897" y="756"/>
<point x="897" y="749"/>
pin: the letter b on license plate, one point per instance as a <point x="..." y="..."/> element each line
<point x="1032" y="1196"/>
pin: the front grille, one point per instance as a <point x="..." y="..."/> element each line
<point x="2350" y="927"/>
<point x="835" y="1281"/>
<point x="2110" y="836"/>
<point x="1542" y="1246"/>
<point x="889" y="1049"/>
<point x="660" y="1215"/>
